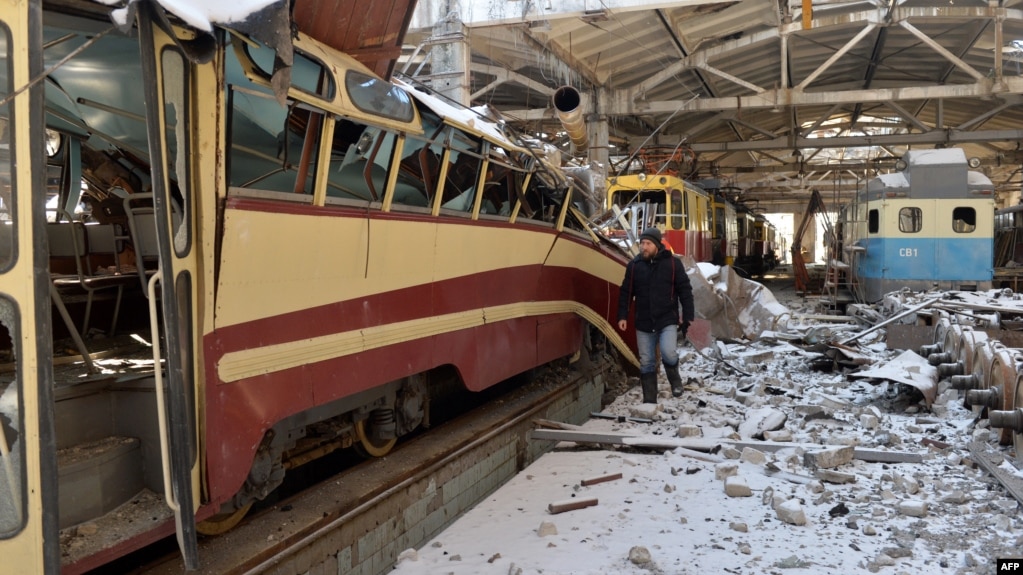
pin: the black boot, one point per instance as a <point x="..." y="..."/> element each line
<point x="674" y="379"/>
<point x="649" y="383"/>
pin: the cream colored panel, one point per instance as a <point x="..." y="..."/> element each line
<point x="279" y="263"/>
<point x="272" y="264"/>
<point x="572" y="255"/>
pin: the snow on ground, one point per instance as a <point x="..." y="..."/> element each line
<point x="670" y="513"/>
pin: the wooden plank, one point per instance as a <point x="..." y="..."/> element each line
<point x="991" y="461"/>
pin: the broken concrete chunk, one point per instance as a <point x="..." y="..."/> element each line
<point x="868" y="421"/>
<point x="913" y="508"/>
<point x="546" y="529"/>
<point x="829" y="458"/>
<point x="791" y="512"/>
<point x="639" y="555"/>
<point x="780" y="435"/>
<point x="736" y="486"/>
<point x="725" y="470"/>
<point x="688" y="430"/>
<point x="754" y="456"/>
<point x="760" y="420"/>
<point x="832" y="476"/>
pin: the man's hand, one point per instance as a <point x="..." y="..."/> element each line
<point x="683" y="328"/>
<point x="622" y="324"/>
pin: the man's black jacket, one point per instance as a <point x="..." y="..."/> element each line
<point x="658" y="285"/>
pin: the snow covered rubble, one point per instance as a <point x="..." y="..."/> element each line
<point x="812" y="471"/>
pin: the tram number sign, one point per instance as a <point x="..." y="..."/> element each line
<point x="908" y="253"/>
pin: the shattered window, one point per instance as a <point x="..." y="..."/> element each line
<point x="12" y="457"/>
<point x="964" y="220"/>
<point x="375" y="96"/>
<point x="910" y="220"/>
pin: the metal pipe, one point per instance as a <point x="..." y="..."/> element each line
<point x="567" y="104"/>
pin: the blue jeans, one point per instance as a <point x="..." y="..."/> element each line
<point x="647" y="342"/>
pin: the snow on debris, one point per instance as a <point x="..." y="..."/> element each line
<point x="817" y="471"/>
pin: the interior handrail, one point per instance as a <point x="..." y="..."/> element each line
<point x="161" y="408"/>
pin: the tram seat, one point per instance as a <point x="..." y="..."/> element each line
<point x="142" y="226"/>
<point x="78" y="242"/>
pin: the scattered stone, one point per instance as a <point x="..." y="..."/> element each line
<point x="669" y="488"/>
<point x="730" y="452"/>
<point x="725" y="469"/>
<point x="408" y="555"/>
<point x="832" y="476"/>
<point x="645" y="410"/>
<point x="829" y="458"/>
<point x="689" y="431"/>
<point x="760" y="420"/>
<point x="869" y="530"/>
<point x="736" y="486"/>
<point x="753" y="456"/>
<point x="869" y="421"/>
<point x="780" y="435"/>
<point x="838" y="510"/>
<point x="791" y="562"/>
<point x="740" y="527"/>
<point x="547" y="529"/>
<point x="639" y="555"/>
<point x="913" y="508"/>
<point x="791" y="512"/>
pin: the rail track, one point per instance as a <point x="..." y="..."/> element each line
<point x="359" y="520"/>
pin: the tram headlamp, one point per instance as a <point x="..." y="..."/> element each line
<point x="642" y="177"/>
<point x="974" y="163"/>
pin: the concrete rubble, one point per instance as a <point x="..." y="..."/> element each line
<point x="826" y="398"/>
<point x="815" y="440"/>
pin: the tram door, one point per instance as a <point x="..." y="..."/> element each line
<point x="167" y="77"/>
<point x="29" y="541"/>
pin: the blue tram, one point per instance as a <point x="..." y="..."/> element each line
<point x="930" y="225"/>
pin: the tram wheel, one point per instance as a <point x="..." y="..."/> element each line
<point x="222" y="522"/>
<point x="368" y="446"/>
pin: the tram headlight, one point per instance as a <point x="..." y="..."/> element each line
<point x="642" y="177"/>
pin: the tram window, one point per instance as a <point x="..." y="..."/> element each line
<point x="176" y="100"/>
<point x="12" y="454"/>
<point x="307" y="74"/>
<point x="873" y="221"/>
<point x="360" y="173"/>
<point x="964" y="220"/>
<point x="719" y="222"/>
<point x="267" y="142"/>
<point x="677" y="214"/>
<point x="375" y="96"/>
<point x="503" y="178"/>
<point x="910" y="220"/>
<point x="463" y="172"/>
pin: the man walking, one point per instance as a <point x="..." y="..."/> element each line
<point x="657" y="280"/>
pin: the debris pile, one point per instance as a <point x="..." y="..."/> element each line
<point x="791" y="450"/>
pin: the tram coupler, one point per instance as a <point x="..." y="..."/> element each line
<point x="990" y="398"/>
<point x="965" y="382"/>
<point x="940" y="358"/>
<point x="951" y="369"/>
<point x="1007" y="419"/>
<point x="927" y="350"/>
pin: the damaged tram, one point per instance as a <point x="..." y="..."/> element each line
<point x="294" y="252"/>
<point x="929" y="225"/>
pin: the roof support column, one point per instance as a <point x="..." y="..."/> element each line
<point x="450" y="54"/>
<point x="597" y="128"/>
